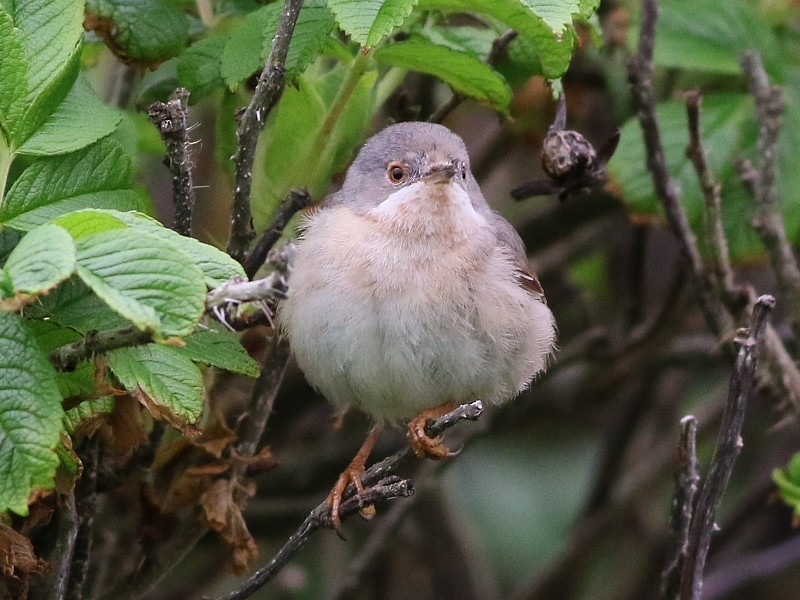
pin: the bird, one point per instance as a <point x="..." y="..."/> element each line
<point x="409" y="295"/>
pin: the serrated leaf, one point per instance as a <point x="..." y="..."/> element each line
<point x="87" y="410"/>
<point x="369" y="21"/>
<point x="95" y="177"/>
<point x="199" y="66"/>
<point x="44" y="258"/>
<point x="140" y="30"/>
<point x="217" y="266"/>
<point x="81" y="119"/>
<point x="171" y="382"/>
<point x="220" y="349"/>
<point x="705" y="35"/>
<point x="81" y="223"/>
<point x="14" y="67"/>
<point x="554" y="50"/>
<point x="249" y="42"/>
<point x="557" y="14"/>
<point x="30" y="416"/>
<point x="144" y="278"/>
<point x="463" y="72"/>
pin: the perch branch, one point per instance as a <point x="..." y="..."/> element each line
<point x="686" y="479"/>
<point x="294" y="202"/>
<point x="68" y="533"/>
<point x="761" y="181"/>
<point x="374" y="479"/>
<point x="268" y="91"/>
<point x="727" y="449"/>
<point x="714" y="234"/>
<point x="499" y="47"/>
<point x="640" y="75"/>
<point x="171" y="119"/>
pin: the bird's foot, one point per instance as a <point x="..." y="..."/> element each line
<point x="352" y="474"/>
<point x="421" y="443"/>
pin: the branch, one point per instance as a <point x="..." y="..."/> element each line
<point x="714" y="235"/>
<point x="375" y="478"/>
<point x="499" y="47"/>
<point x="729" y="444"/>
<point x="768" y="221"/>
<point x="268" y="91"/>
<point x="295" y="201"/>
<point x="68" y="533"/>
<point x="640" y="75"/>
<point x="171" y="120"/>
<point x="67" y="357"/>
<point x="686" y="479"/>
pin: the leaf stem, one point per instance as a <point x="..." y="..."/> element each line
<point x="6" y="158"/>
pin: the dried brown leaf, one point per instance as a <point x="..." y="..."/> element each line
<point x="164" y="413"/>
<point x="222" y="511"/>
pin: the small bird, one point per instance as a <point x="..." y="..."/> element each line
<point x="409" y="295"/>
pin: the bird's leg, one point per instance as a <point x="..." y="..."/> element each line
<point x="353" y="473"/>
<point x="421" y="443"/>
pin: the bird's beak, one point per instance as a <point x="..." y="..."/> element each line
<point x="440" y="172"/>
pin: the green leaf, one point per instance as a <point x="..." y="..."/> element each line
<point x="249" y="42"/>
<point x="298" y="152"/>
<point x="220" y="349"/>
<point x="172" y="383"/>
<point x="142" y="30"/>
<point x="199" y="66"/>
<point x="557" y="14"/>
<point x="82" y="223"/>
<point x="84" y="411"/>
<point x="30" y="416"/>
<point x="14" y="67"/>
<point x="461" y="71"/>
<point x="705" y="35"/>
<point x="96" y="177"/>
<point x="44" y="258"/>
<point x="553" y="50"/>
<point x="52" y="31"/>
<point x="369" y="21"/>
<point x="144" y="278"/>
<point x="217" y="266"/>
<point x="81" y="119"/>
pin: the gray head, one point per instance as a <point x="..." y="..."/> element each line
<point x="404" y="154"/>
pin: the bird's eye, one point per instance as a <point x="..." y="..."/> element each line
<point x="463" y="171"/>
<point x="397" y="173"/>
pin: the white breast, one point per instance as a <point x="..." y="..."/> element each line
<point x="410" y="306"/>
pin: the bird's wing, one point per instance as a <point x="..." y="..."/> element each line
<point x="508" y="237"/>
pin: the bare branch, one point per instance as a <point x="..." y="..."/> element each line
<point x="714" y="236"/>
<point x="67" y="357"/>
<point x="729" y="444"/>
<point x="686" y="479"/>
<point x="268" y="91"/>
<point x="640" y="75"/>
<point x="171" y="119"/>
<point x="68" y="533"/>
<point x="295" y="201"/>
<point x="375" y="479"/>
<point x="761" y="181"/>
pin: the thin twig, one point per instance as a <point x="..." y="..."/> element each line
<point x="86" y="493"/>
<point x="68" y="533"/>
<point x="768" y="221"/>
<point x="171" y="118"/>
<point x="686" y="479"/>
<point x="640" y="74"/>
<point x="372" y="479"/>
<point x="498" y="49"/>
<point x="714" y="235"/>
<point x="268" y="91"/>
<point x="728" y="446"/>
<point x="294" y="202"/>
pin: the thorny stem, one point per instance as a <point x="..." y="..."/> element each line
<point x="268" y="91"/>
<point x="171" y="119"/>
<point x="729" y="444"/>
